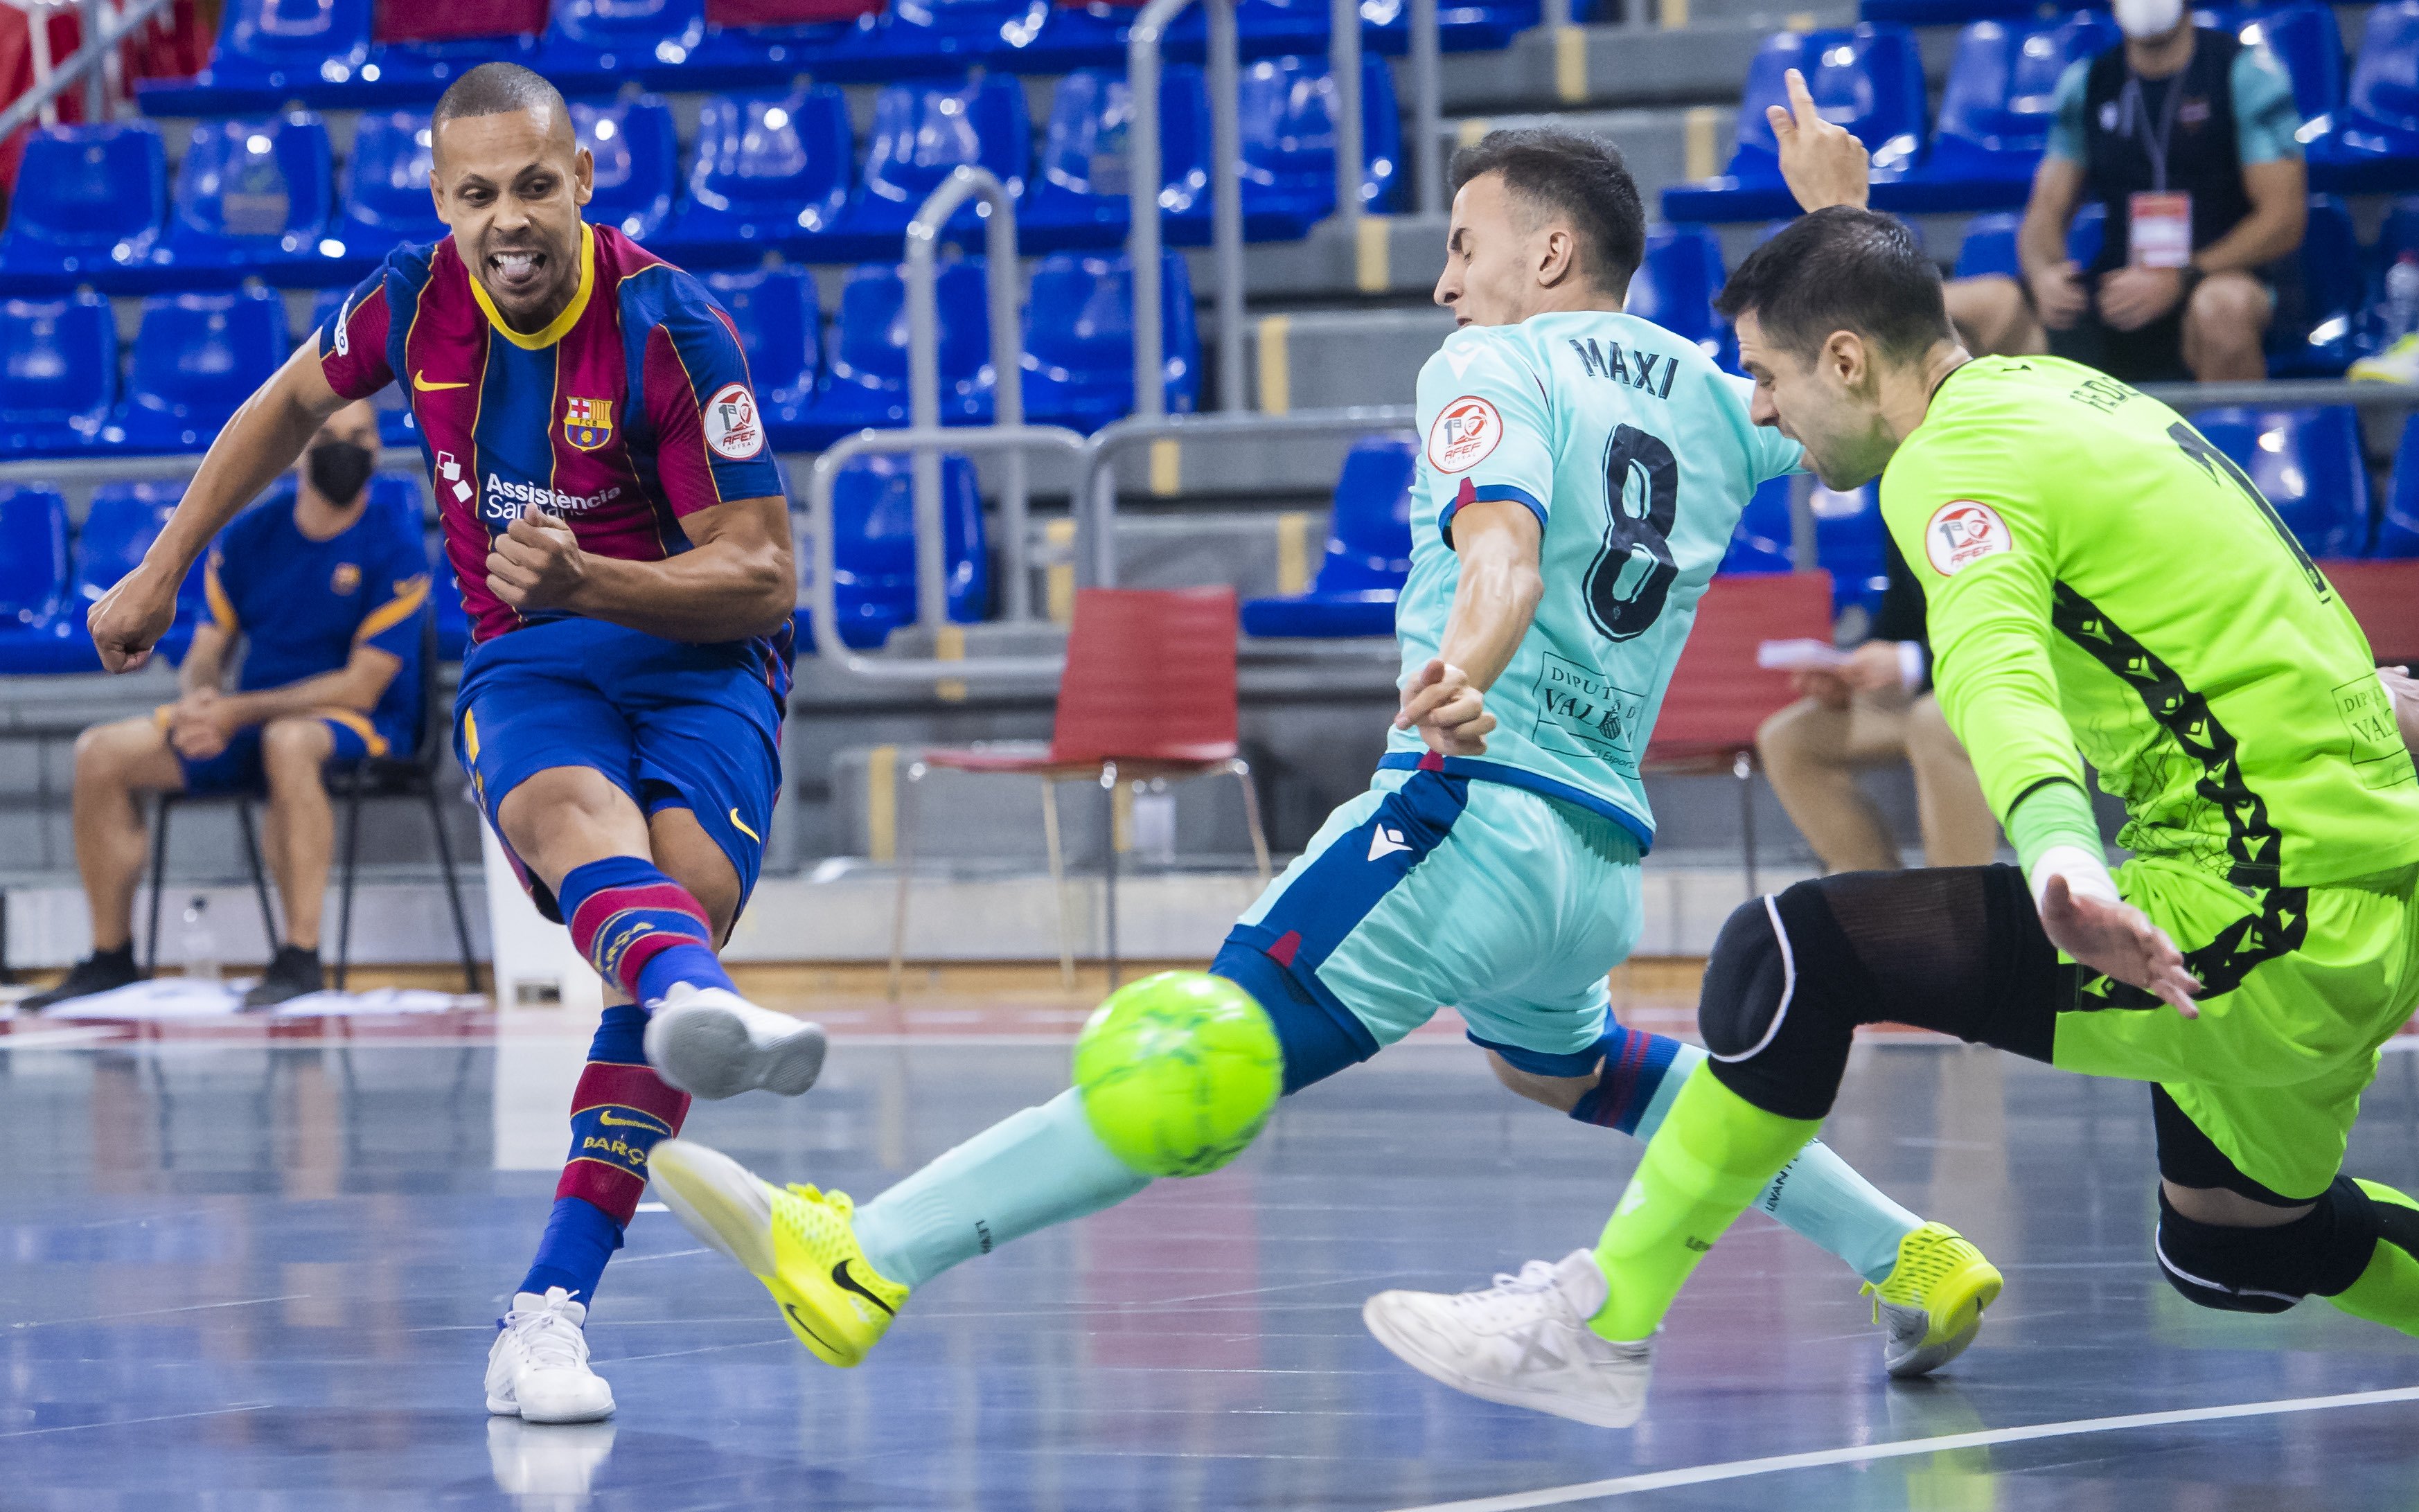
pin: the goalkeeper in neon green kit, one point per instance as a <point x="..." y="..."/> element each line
<point x="2100" y="580"/>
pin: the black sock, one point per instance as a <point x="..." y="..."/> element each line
<point x="122" y="957"/>
<point x="306" y="952"/>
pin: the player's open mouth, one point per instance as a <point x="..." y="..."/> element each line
<point x="518" y="271"/>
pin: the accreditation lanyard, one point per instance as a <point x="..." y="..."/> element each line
<point x="2159" y="222"/>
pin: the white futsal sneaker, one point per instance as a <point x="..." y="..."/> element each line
<point x="537" y="1369"/>
<point x="711" y="1042"/>
<point x="1524" y="1342"/>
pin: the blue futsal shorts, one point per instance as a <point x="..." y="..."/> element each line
<point x="674" y="726"/>
<point x="1432" y="890"/>
<point x="237" y="769"/>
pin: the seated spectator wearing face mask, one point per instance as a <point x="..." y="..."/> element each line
<point x="2186" y="137"/>
<point x="327" y="596"/>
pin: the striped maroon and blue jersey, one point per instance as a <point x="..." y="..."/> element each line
<point x="631" y="412"/>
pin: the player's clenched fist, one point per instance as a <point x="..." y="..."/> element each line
<point x="537" y="564"/>
<point x="1449" y="714"/>
<point x="130" y="620"/>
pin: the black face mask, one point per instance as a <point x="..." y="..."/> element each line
<point x="339" y="471"/>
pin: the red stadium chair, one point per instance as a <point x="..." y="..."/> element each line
<point x="2384" y="597"/>
<point x="1149" y="693"/>
<point x="786" y="12"/>
<point x="441" y="20"/>
<point x="1719" y="695"/>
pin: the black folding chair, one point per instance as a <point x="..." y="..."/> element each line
<point x="412" y="778"/>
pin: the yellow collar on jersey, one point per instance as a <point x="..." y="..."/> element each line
<point x="558" y="327"/>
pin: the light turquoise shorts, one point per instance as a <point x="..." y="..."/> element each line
<point x="1432" y="890"/>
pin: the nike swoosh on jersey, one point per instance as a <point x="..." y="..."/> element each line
<point x="741" y="825"/>
<point x="846" y="1282"/>
<point x="607" y="1118"/>
<point x="420" y="381"/>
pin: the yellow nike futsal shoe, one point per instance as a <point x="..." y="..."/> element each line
<point x="1932" y="1299"/>
<point x="800" y="1242"/>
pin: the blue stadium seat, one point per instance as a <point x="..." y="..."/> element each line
<point x="1263" y="28"/>
<point x="941" y="37"/>
<point x="1989" y="248"/>
<point x="1368" y="550"/>
<point x="397" y="426"/>
<point x="419" y="69"/>
<point x="865" y="371"/>
<point x="752" y="46"/>
<point x="770" y="173"/>
<point x="920" y="133"/>
<point x="1848" y="545"/>
<point x="2397" y="534"/>
<point x="2375" y="146"/>
<point x="270" y="53"/>
<point x="781" y="327"/>
<point x="873" y="547"/>
<point x="1287" y="117"/>
<point x="1867" y="78"/>
<point x="596" y="46"/>
<point x="1675" y="286"/>
<point x="386" y="196"/>
<point x="2335" y="290"/>
<point x="1079" y="196"/>
<point x="1386" y="25"/>
<point x="2306" y="43"/>
<point x="35" y="631"/>
<point x="638" y="162"/>
<point x="1078" y="340"/>
<point x="2307" y="463"/>
<point x="1764" y="539"/>
<point x="196" y="358"/>
<point x="87" y="205"/>
<point x="1994" y="113"/>
<point x="58" y="374"/>
<point x="253" y="200"/>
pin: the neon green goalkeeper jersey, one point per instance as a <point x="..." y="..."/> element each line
<point x="2101" y="579"/>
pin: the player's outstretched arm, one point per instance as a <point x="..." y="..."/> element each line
<point x="1822" y="162"/>
<point x="736" y="579"/>
<point x="263" y="439"/>
<point x="1498" y="542"/>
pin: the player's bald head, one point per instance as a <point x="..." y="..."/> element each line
<point x="503" y="89"/>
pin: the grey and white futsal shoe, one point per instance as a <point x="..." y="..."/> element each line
<point x="1524" y="1342"/>
<point x="711" y="1042"/>
<point x="537" y="1369"/>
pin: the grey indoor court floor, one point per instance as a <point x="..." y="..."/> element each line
<point x="267" y="1279"/>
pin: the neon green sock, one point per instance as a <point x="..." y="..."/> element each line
<point x="2387" y="1291"/>
<point x="1714" y="1152"/>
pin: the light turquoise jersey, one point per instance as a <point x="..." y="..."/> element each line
<point x="1637" y="453"/>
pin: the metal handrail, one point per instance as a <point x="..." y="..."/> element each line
<point x="1095" y="494"/>
<point x="101" y="38"/>
<point x="924" y="381"/>
<point x="921" y="441"/>
<point x="1226" y="200"/>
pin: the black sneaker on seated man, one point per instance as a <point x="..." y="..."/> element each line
<point x="100" y="972"/>
<point x="292" y="972"/>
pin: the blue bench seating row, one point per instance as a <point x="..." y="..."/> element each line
<point x="323" y="55"/>
<point x="775" y="172"/>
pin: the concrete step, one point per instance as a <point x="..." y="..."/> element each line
<point x="1338" y="359"/>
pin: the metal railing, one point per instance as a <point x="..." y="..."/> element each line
<point x="926" y="439"/>
<point x="101" y="39"/>
<point x="1096" y="551"/>
<point x="1143" y="191"/>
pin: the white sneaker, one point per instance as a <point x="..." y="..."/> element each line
<point x="546" y="1461"/>
<point x="2398" y="363"/>
<point x="1524" y="1342"/>
<point x="538" y="1369"/>
<point x="711" y="1042"/>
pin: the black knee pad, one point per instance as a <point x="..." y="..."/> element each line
<point x="2268" y="1270"/>
<point x="1781" y="1001"/>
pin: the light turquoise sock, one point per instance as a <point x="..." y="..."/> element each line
<point x="1028" y="1171"/>
<point x="1818" y="1194"/>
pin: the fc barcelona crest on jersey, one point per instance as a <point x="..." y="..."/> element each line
<point x="588" y="423"/>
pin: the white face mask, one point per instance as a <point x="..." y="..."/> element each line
<point x="2144" y="19"/>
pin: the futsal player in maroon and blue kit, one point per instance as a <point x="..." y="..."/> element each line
<point x="614" y="515"/>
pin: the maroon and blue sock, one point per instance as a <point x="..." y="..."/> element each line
<point x="1635" y="1066"/>
<point x="638" y="928"/>
<point x="621" y="1109"/>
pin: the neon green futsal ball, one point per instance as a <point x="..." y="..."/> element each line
<point x="1178" y="1073"/>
